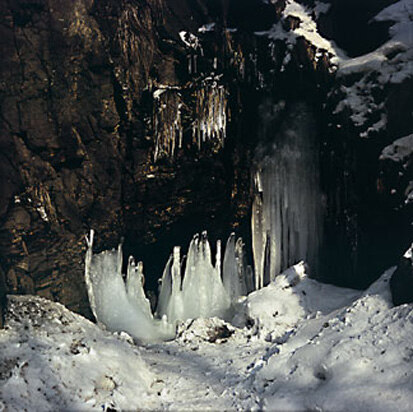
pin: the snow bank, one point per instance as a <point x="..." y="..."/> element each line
<point x="356" y="358"/>
<point x="52" y="359"/>
<point x="293" y="297"/>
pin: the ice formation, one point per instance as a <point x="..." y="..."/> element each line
<point x="202" y="292"/>
<point x="167" y="125"/>
<point x="210" y="114"/>
<point x="286" y="213"/>
<point x="119" y="306"/>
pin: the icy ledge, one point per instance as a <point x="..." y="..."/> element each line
<point x="202" y="292"/>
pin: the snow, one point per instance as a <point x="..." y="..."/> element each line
<point x="52" y="359"/>
<point x="307" y="29"/>
<point x="400" y="151"/>
<point x="356" y="358"/>
<point x="206" y="28"/>
<point x="326" y="348"/>
<point x="189" y="39"/>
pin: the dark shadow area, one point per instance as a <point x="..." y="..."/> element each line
<point x="349" y="23"/>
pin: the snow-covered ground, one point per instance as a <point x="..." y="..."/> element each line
<point x="296" y="344"/>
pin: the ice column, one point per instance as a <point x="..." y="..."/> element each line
<point x="287" y="213"/>
<point x="235" y="269"/>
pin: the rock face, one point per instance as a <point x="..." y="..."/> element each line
<point x="77" y="144"/>
<point x="124" y="117"/>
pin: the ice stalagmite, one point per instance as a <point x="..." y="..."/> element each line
<point x="175" y="308"/>
<point x="117" y="306"/>
<point x="165" y="289"/>
<point x="234" y="274"/>
<point x="134" y="287"/>
<point x="287" y="212"/>
<point x="201" y="293"/>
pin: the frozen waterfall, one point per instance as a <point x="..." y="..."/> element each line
<point x="202" y="292"/>
<point x="287" y="213"/>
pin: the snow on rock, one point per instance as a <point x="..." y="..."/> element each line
<point x="195" y="331"/>
<point x="401" y="153"/>
<point x="307" y="28"/>
<point x="401" y="150"/>
<point x="52" y="359"/>
<point x="391" y="63"/>
<point x="277" y="308"/>
<point x="357" y="358"/>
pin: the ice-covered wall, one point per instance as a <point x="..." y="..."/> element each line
<point x="287" y="208"/>
<point x="123" y="306"/>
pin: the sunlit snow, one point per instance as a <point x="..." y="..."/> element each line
<point x="294" y="345"/>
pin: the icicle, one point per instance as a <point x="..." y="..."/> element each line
<point x="195" y="64"/>
<point x="167" y="122"/>
<point x="211" y="114"/>
<point x="259" y="239"/>
<point x="241" y="267"/>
